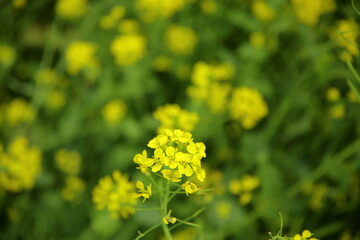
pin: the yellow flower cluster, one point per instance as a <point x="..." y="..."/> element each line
<point x="111" y="20"/>
<point x="172" y="116"/>
<point x="151" y="10"/>
<point x="337" y="110"/>
<point x="129" y="26"/>
<point x="116" y="194"/>
<point x="305" y="235"/>
<point x="181" y="40"/>
<point x="310" y="11"/>
<point x="53" y="83"/>
<point x="209" y="84"/>
<point x="69" y="162"/>
<point x="175" y="154"/>
<point x="19" y="165"/>
<point x="247" y="106"/>
<point x="244" y="187"/>
<point x="128" y="48"/>
<point x="7" y="55"/>
<point x="19" y="111"/>
<point x="346" y="35"/>
<point x="80" y="55"/>
<point x="113" y="111"/>
<point x="73" y="187"/>
<point x="262" y="11"/>
<point x="71" y="9"/>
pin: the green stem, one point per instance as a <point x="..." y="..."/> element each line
<point x="141" y="235"/>
<point x="164" y="207"/>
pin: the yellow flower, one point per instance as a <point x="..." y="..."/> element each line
<point x="55" y="99"/>
<point x="247" y="106"/>
<point x="80" y="55"/>
<point x="19" y="3"/>
<point x="189" y="187"/>
<point x="20" y="165"/>
<point x="47" y="77"/>
<point x="209" y="84"/>
<point x="145" y="193"/>
<point x="128" y="49"/>
<point x="151" y="10"/>
<point x="208" y="6"/>
<point x="306" y="234"/>
<point x="19" y="111"/>
<point x="258" y="39"/>
<point x="172" y="116"/>
<point x="333" y="94"/>
<point x="175" y="154"/>
<point x="7" y="55"/>
<point x="337" y="111"/>
<point x="114" y="111"/>
<point x="223" y="210"/>
<point x="346" y="35"/>
<point x="71" y="9"/>
<point x="181" y="40"/>
<point x="129" y="26"/>
<point x="161" y="63"/>
<point x="169" y="219"/>
<point x="68" y="161"/>
<point x="74" y="187"/>
<point x="244" y="187"/>
<point x="262" y="11"/>
<point x="116" y="194"/>
<point x="111" y="20"/>
<point x="309" y="11"/>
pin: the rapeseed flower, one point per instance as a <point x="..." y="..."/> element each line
<point x="68" y="161"/>
<point x="310" y="11"/>
<point x="346" y="35"/>
<point x="47" y="77"/>
<point x="161" y="63"/>
<point x="247" y="106"/>
<point x="171" y="116"/>
<point x="80" y="55"/>
<point x="113" y="111"/>
<point x="169" y="219"/>
<point x="71" y="9"/>
<point x="7" y="55"/>
<point x="129" y="26"/>
<point x="112" y="19"/>
<point x="209" y="85"/>
<point x="333" y="94"/>
<point x="262" y="11"/>
<point x="20" y="165"/>
<point x="55" y="99"/>
<point x="244" y="188"/>
<point x="73" y="188"/>
<point x="306" y="234"/>
<point x="175" y="155"/>
<point x="151" y="10"/>
<point x="145" y="193"/>
<point x="128" y="48"/>
<point x="181" y="40"/>
<point x="19" y="111"/>
<point x="116" y="194"/>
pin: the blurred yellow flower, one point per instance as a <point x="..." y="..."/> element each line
<point x="346" y="34"/>
<point x="71" y="9"/>
<point x="114" y="111"/>
<point x="337" y="111"/>
<point x="20" y="165"/>
<point x="151" y="10"/>
<point x="116" y="194"/>
<point x="73" y="188"/>
<point x="171" y="116"/>
<point x="112" y="19"/>
<point x="55" y="99"/>
<point x="309" y="11"/>
<point x="257" y="39"/>
<point x="19" y="3"/>
<point x="80" y="55"/>
<point x="209" y="84"/>
<point x="262" y="11"/>
<point x="68" y="161"/>
<point x="208" y="6"/>
<point x="7" y="55"/>
<point x="244" y="187"/>
<point x="129" y="26"/>
<point x="223" y="210"/>
<point x="161" y="63"/>
<point x="19" y="111"/>
<point x="47" y="77"/>
<point x="128" y="48"/>
<point x="181" y="40"/>
<point x="247" y="106"/>
<point x="333" y="94"/>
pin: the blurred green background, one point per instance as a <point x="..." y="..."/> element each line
<point x="265" y="84"/>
